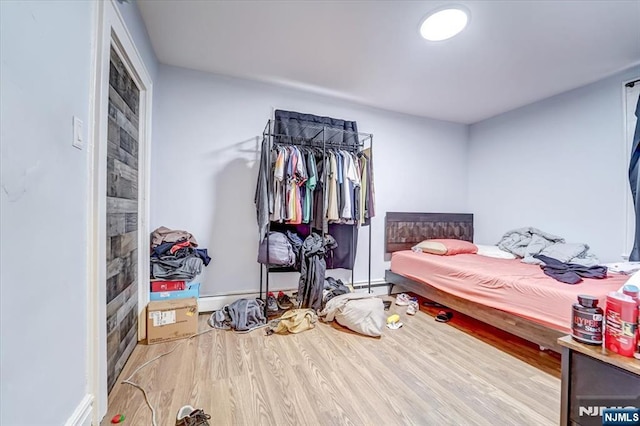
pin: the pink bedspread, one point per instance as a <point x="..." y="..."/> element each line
<point x="508" y="285"/>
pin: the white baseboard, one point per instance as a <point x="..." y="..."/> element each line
<point x="82" y="414"/>
<point x="213" y="303"/>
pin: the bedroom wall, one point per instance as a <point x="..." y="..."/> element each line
<point x="46" y="70"/>
<point x="558" y="164"/>
<point x="45" y="78"/>
<point x="205" y="152"/>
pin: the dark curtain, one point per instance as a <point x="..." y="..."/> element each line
<point x="634" y="176"/>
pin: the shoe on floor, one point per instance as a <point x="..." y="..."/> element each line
<point x="413" y="307"/>
<point x="284" y="302"/>
<point x="444" y="316"/>
<point x="189" y="416"/>
<point x="272" y="303"/>
<point x="402" y="299"/>
<point x="393" y="322"/>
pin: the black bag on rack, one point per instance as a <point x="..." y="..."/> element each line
<point x="301" y="125"/>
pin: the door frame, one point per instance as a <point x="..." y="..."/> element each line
<point x="111" y="31"/>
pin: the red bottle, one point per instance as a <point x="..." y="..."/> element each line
<point x="634" y="292"/>
<point x="621" y="317"/>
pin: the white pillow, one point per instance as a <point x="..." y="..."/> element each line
<point x="494" y="251"/>
<point x="634" y="280"/>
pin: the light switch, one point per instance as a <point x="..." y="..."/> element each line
<point x="78" y="139"/>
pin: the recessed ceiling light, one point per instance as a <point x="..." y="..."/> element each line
<point x="444" y="24"/>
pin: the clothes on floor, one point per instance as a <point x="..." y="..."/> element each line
<point x="293" y="321"/>
<point x="569" y="273"/>
<point x="333" y="288"/>
<point x="241" y="315"/>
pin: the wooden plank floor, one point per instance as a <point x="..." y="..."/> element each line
<point x="426" y="373"/>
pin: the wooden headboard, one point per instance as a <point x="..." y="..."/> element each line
<point x="404" y="230"/>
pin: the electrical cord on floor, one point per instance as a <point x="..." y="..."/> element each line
<point x="144" y="392"/>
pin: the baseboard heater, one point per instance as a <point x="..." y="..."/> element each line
<point x="212" y="303"/>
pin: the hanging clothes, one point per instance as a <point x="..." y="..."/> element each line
<point x="296" y="194"/>
<point x="320" y="195"/>
<point x="262" y="194"/>
<point x="278" y="187"/>
<point x="368" y="191"/>
<point x="333" y="176"/>
<point x="310" y="186"/>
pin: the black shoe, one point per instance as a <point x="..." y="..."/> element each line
<point x="188" y="416"/>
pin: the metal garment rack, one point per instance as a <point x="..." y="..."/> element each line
<point x="324" y="138"/>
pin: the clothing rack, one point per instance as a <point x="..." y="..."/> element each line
<point x="322" y="138"/>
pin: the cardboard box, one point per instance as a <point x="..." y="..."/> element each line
<point x="192" y="290"/>
<point x="171" y="320"/>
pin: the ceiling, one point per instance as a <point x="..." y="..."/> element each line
<point x="511" y="54"/>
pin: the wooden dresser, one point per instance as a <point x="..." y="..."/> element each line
<point x="593" y="378"/>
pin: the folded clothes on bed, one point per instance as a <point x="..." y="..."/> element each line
<point x="528" y="242"/>
<point x="569" y="273"/>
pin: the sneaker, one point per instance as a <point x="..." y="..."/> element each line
<point x="393" y="322"/>
<point x="402" y="299"/>
<point x="189" y="416"/>
<point x="413" y="307"/>
<point x="272" y="304"/>
<point x="284" y="302"/>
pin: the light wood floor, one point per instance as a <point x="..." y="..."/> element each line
<point x="426" y="373"/>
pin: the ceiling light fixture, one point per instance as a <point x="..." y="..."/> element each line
<point x="444" y="23"/>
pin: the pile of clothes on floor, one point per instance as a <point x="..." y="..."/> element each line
<point x="175" y="255"/>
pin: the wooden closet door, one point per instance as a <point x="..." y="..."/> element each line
<point x="122" y="218"/>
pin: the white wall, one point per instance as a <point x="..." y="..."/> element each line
<point x="45" y="74"/>
<point x="558" y="164"/>
<point x="47" y="55"/>
<point x="204" y="167"/>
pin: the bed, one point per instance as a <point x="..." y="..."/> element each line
<point x="505" y="293"/>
